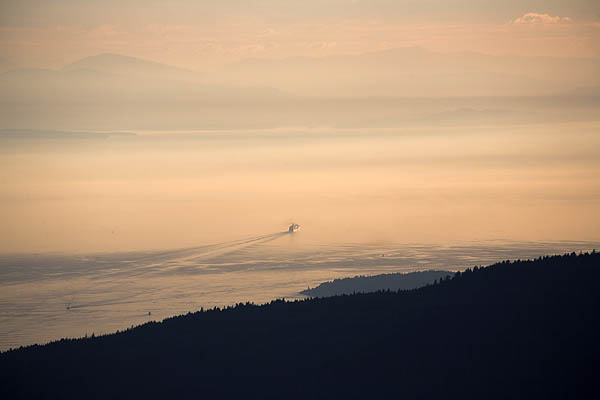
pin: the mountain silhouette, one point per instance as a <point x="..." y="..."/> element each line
<point x="414" y="71"/>
<point x="121" y="64"/>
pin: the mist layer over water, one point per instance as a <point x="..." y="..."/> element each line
<point x="123" y="192"/>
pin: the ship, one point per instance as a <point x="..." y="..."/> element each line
<point x="293" y="228"/>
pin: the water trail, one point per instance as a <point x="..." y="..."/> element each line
<point x="174" y="253"/>
<point x="164" y="261"/>
<point x="99" y="303"/>
<point x="239" y="246"/>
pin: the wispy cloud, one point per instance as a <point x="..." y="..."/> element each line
<point x="532" y="18"/>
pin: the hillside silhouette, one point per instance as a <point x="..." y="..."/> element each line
<point x="523" y="329"/>
<point x="365" y="284"/>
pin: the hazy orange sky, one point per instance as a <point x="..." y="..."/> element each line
<point x="199" y="34"/>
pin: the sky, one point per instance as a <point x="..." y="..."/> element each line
<point x="203" y="34"/>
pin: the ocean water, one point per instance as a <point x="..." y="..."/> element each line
<point x="44" y="297"/>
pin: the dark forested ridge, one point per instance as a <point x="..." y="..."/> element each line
<point x="524" y="329"/>
<point x="365" y="284"/>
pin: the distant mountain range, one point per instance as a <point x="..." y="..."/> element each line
<point x="120" y="64"/>
<point x="414" y="71"/>
<point x="116" y="78"/>
<point x="116" y="92"/>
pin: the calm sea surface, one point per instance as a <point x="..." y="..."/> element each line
<point x="44" y="297"/>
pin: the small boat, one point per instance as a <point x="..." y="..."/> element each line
<point x="293" y="228"/>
